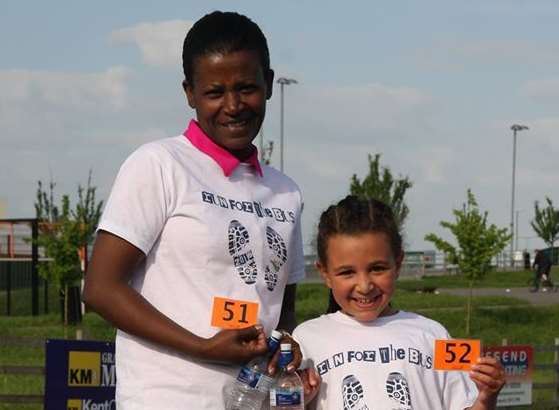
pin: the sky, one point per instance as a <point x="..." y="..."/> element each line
<point x="432" y="86"/>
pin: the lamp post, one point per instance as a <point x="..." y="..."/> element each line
<point x="515" y="128"/>
<point x="283" y="81"/>
<point x="516" y="237"/>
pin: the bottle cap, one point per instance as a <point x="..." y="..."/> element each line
<point x="276" y="334"/>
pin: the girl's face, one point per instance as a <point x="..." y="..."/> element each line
<point x="229" y="93"/>
<point x="361" y="270"/>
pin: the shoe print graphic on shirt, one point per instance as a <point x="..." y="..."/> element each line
<point x="243" y="258"/>
<point x="398" y="390"/>
<point x="352" y="393"/>
<point x="278" y="256"/>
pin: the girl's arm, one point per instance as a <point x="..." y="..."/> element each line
<point x="489" y="376"/>
<point x="311" y="383"/>
<point x="107" y="291"/>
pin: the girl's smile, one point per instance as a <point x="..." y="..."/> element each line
<point x="361" y="271"/>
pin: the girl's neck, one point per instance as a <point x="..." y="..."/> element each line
<point x="388" y="311"/>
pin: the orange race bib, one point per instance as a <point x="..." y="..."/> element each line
<point x="456" y="354"/>
<point x="233" y="314"/>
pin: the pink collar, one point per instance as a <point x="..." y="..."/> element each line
<point x="227" y="161"/>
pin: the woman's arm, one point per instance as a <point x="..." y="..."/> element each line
<point x="287" y="317"/>
<point x="107" y="291"/>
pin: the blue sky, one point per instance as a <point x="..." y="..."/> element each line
<point x="433" y="86"/>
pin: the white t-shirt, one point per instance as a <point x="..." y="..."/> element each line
<point x="385" y="364"/>
<point x="205" y="235"/>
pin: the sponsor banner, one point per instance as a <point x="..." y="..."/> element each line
<point x="518" y="362"/>
<point x="80" y="375"/>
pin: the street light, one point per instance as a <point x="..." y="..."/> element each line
<point x="515" y="128"/>
<point x="283" y="81"/>
<point x="516" y="230"/>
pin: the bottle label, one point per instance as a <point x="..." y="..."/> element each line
<point x="249" y="377"/>
<point x="253" y="378"/>
<point x="286" y="397"/>
<point x="264" y="383"/>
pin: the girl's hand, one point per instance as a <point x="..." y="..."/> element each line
<point x="297" y="355"/>
<point x="235" y="346"/>
<point x="489" y="376"/>
<point x="311" y="383"/>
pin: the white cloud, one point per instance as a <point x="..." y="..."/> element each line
<point x="65" y="89"/>
<point x="356" y="114"/>
<point x="45" y="108"/>
<point x="435" y="163"/>
<point x="160" y="43"/>
<point x="546" y="90"/>
<point x="457" y="53"/>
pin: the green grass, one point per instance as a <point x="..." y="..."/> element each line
<point x="494" y="318"/>
<point x="515" y="279"/>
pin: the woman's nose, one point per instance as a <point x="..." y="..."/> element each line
<point x="233" y="103"/>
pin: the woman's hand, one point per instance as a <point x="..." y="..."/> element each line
<point x="296" y="351"/>
<point x="235" y="346"/>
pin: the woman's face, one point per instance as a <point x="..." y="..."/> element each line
<point x="229" y="93"/>
<point x="361" y="270"/>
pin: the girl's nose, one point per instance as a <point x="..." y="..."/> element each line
<point x="364" y="284"/>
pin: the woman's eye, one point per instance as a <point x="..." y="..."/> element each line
<point x="248" y="89"/>
<point x="213" y="93"/>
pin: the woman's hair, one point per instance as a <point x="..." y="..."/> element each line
<point x="223" y="32"/>
<point x="354" y="216"/>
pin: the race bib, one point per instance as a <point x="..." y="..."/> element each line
<point x="233" y="314"/>
<point x="456" y="354"/>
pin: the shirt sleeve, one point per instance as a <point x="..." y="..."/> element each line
<point x="136" y="210"/>
<point x="297" y="261"/>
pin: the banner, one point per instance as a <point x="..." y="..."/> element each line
<point x="518" y="363"/>
<point x="80" y="375"/>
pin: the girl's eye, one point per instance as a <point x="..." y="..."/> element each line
<point x="380" y="268"/>
<point x="344" y="272"/>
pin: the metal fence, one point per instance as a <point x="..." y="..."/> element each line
<point x="22" y="292"/>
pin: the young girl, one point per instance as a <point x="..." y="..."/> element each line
<point x="198" y="239"/>
<point x="368" y="354"/>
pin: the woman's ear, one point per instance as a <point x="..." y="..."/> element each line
<point x="269" y="83"/>
<point x="187" y="87"/>
<point x="324" y="273"/>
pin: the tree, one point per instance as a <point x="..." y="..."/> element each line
<point x="63" y="232"/>
<point x="380" y="184"/>
<point x="546" y="222"/>
<point x="477" y="243"/>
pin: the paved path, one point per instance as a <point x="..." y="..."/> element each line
<point x="535" y="298"/>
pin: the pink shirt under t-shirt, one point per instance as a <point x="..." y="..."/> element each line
<point x="227" y="161"/>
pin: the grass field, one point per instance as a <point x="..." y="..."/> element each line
<point x="494" y="318"/>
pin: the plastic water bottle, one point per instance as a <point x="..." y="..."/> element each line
<point x="287" y="393"/>
<point x="253" y="382"/>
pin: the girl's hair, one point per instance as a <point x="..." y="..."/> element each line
<point x="223" y="32"/>
<point x="354" y="216"/>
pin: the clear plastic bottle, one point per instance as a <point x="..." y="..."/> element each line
<point x="287" y="393"/>
<point x="253" y="382"/>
